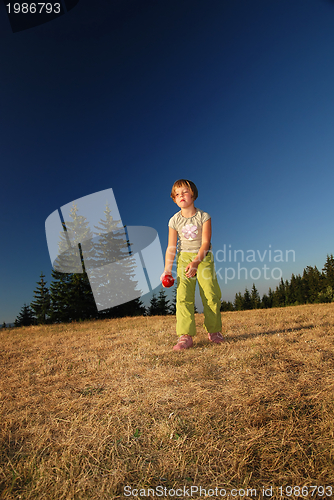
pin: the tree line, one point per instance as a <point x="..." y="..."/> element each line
<point x="312" y="287"/>
<point x="90" y="259"/>
<point x="69" y="298"/>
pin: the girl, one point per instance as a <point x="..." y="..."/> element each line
<point x="190" y="235"/>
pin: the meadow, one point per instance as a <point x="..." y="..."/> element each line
<point x="90" y="408"/>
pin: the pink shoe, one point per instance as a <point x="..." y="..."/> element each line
<point x="184" y="342"/>
<point x="217" y="337"/>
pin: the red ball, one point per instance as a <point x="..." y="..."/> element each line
<point x="168" y="281"/>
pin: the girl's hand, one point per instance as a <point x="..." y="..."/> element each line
<point x="164" y="274"/>
<point x="191" y="269"/>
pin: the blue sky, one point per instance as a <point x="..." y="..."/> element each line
<point x="234" y="95"/>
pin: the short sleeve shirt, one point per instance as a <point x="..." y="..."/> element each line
<point x="189" y="230"/>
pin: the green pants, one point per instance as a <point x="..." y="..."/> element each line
<point x="185" y="295"/>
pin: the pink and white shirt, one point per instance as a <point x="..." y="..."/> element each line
<point x="189" y="230"/>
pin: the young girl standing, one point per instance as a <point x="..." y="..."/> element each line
<point x="190" y="235"/>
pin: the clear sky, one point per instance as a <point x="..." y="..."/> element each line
<point x="132" y="95"/>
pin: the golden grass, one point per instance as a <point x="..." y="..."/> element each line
<point x="87" y="408"/>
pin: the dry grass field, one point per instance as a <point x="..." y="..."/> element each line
<point x="89" y="408"/>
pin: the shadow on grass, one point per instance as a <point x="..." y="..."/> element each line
<point x="244" y="336"/>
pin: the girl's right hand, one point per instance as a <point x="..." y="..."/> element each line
<point x="164" y="274"/>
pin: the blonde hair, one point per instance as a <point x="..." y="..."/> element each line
<point x="184" y="183"/>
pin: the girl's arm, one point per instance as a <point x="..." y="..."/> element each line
<point x="170" y="252"/>
<point x="191" y="268"/>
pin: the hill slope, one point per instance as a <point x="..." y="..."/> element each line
<point x="88" y="408"/>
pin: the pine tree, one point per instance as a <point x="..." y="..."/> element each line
<point x="279" y="295"/>
<point x="247" y="302"/>
<point x="286" y="292"/>
<point x="4" y="325"/>
<point x="153" y="308"/>
<point x="163" y="304"/>
<point x="326" y="295"/>
<point x="113" y="272"/>
<point x="226" y="306"/>
<point x="328" y="272"/>
<point x="132" y="308"/>
<point x="75" y="231"/>
<point x="311" y="284"/>
<point x="41" y="305"/>
<point x="267" y="300"/>
<point x="238" y="302"/>
<point x="159" y="306"/>
<point x="173" y="303"/>
<point x="295" y="291"/>
<point x="291" y="291"/>
<point x="81" y="298"/>
<point x="60" y="294"/>
<point x="255" y="298"/>
<point x="26" y="317"/>
<point x="136" y="308"/>
<point x="70" y="292"/>
<point x="71" y="298"/>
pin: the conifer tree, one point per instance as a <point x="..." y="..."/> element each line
<point x="26" y="317"/>
<point x="70" y="292"/>
<point x="132" y="308"/>
<point x="271" y="297"/>
<point x="255" y="298"/>
<point x="41" y="305"/>
<point x="326" y="295"/>
<point x="291" y="291"/>
<point x="60" y="295"/>
<point x="265" y="301"/>
<point x="238" y="302"/>
<point x="115" y="281"/>
<point x="81" y="298"/>
<point x="294" y="291"/>
<point x="328" y="272"/>
<point x="311" y="284"/>
<point x="153" y="308"/>
<point x="247" y="302"/>
<point x="226" y="306"/>
<point x="279" y="295"/>
<point x="163" y="303"/>
<point x="173" y="303"/>
<point x="136" y="308"/>
<point x="159" y="306"/>
<point x="71" y="298"/>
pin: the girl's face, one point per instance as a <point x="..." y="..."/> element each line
<point x="183" y="197"/>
